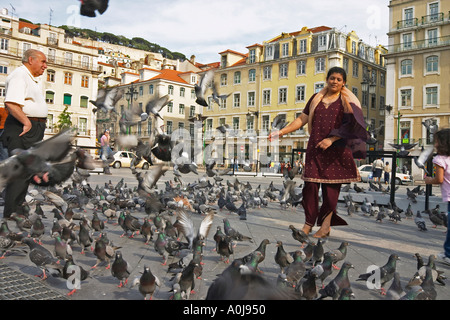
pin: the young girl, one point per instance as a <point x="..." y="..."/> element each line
<point x="442" y="177"/>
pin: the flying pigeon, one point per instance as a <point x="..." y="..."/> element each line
<point x="107" y="99"/>
<point x="403" y="148"/>
<point x="89" y="7"/>
<point x="201" y="88"/>
<point x="154" y="106"/>
<point x="422" y="159"/>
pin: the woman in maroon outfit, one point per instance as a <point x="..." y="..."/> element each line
<point x="337" y="135"/>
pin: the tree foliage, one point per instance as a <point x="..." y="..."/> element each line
<point x="64" y="120"/>
<point x="135" y="42"/>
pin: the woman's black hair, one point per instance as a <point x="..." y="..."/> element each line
<point x="443" y="142"/>
<point x="339" y="70"/>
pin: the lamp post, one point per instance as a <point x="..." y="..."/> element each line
<point x="368" y="88"/>
<point x="252" y="116"/>
<point x="130" y="95"/>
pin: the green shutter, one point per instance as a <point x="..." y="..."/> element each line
<point x="67" y="99"/>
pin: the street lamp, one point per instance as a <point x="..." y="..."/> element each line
<point x="130" y="95"/>
<point x="368" y="87"/>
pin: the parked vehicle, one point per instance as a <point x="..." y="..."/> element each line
<point x="365" y="171"/>
<point x="123" y="159"/>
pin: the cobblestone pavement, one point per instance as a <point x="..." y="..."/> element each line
<point x="371" y="243"/>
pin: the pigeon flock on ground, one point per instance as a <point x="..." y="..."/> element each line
<point x="173" y="220"/>
<point x="162" y="216"/>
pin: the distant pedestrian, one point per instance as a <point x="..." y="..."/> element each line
<point x="442" y="177"/>
<point x="106" y="152"/>
<point x="387" y="173"/>
<point x="377" y="168"/>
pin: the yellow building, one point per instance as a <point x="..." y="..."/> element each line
<point x="278" y="78"/>
<point x="418" y="66"/>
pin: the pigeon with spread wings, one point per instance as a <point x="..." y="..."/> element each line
<point x="35" y="161"/>
<point x="201" y="88"/>
<point x="88" y="8"/>
<point x="107" y="99"/>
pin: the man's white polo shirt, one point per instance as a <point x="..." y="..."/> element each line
<point x="24" y="89"/>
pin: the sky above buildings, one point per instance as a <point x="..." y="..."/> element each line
<point x="206" y="27"/>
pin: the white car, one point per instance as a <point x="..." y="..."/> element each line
<point x="123" y="159"/>
<point x="365" y="171"/>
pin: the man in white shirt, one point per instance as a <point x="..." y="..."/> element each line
<point x="26" y="122"/>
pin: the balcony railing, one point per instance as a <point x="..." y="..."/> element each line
<point x="59" y="61"/>
<point x="424" y="21"/>
<point x="409" y="23"/>
<point x="419" y="45"/>
<point x="52" y="42"/>
<point x="433" y="18"/>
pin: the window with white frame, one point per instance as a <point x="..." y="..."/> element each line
<point x="181" y="108"/>
<point x="237" y="77"/>
<point x="4" y="44"/>
<point x="283" y="70"/>
<point x="50" y="97"/>
<point x="318" y="87"/>
<point x="406" y="67"/>
<point x="251" y="98"/>
<point x="269" y="52"/>
<point x="301" y="67"/>
<point x="51" y="56"/>
<point x="432" y="64"/>
<point x="433" y="11"/>
<point x="322" y="42"/>
<point x="407" y="39"/>
<point x="223" y="79"/>
<point x="223" y="103"/>
<point x="192" y="111"/>
<point x="320" y="65"/>
<point x="68" y="58"/>
<point x="406" y="98"/>
<point x="300" y="91"/>
<point x="266" y="123"/>
<point x="2" y="91"/>
<point x="26" y="46"/>
<point x="355" y="71"/>
<point x="285" y="50"/>
<point x="431" y="96"/>
<point x="182" y="92"/>
<point x="170" y="107"/>
<point x="169" y="127"/>
<point x="345" y="63"/>
<point x="3" y="69"/>
<point x="170" y="89"/>
<point x="236" y="100"/>
<point x="235" y="123"/>
<point x="267" y="73"/>
<point x="302" y="46"/>
<point x="252" y="56"/>
<point x="150" y="89"/>
<point x="408" y="16"/>
<point x="250" y="123"/>
<point x="432" y="36"/>
<point x="82" y="126"/>
<point x="282" y="95"/>
<point x="266" y="97"/>
<point x="252" y="75"/>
